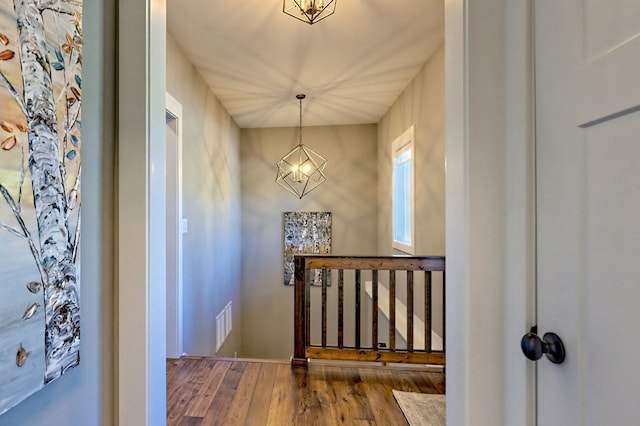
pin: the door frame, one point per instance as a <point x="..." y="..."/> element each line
<point x="490" y="210"/>
<point x="140" y="376"/>
<point x="520" y="200"/>
<point x="485" y="316"/>
<point x="175" y="346"/>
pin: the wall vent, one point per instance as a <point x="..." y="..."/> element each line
<point x="220" y="330"/>
<point x="224" y="325"/>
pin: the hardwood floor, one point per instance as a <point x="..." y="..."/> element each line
<point x="210" y="391"/>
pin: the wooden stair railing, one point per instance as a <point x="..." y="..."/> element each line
<point x="390" y="266"/>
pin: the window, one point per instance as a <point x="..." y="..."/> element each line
<point x="403" y="184"/>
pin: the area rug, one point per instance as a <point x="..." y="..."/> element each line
<point x="422" y="409"/>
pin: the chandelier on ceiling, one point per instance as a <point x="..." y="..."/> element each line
<point x="309" y="11"/>
<point x="301" y="170"/>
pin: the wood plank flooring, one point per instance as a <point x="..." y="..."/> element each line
<point x="211" y="391"/>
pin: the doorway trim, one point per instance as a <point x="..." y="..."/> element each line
<point x="140" y="365"/>
<point x="520" y="222"/>
<point x="471" y="356"/>
<point x="175" y="346"/>
<point x="489" y="210"/>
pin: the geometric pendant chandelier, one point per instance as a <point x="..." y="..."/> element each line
<point x="301" y="170"/>
<point x="309" y="11"/>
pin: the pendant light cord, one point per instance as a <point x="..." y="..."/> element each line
<point x="300" y="97"/>
<point x="300" y="143"/>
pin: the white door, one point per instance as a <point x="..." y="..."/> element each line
<point x="588" y="217"/>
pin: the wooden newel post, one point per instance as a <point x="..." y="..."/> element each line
<point x="299" y="358"/>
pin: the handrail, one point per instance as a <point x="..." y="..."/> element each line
<point x="379" y="268"/>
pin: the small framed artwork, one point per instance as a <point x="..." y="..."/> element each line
<point x="305" y="233"/>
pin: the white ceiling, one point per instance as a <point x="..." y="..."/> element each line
<point x="352" y="65"/>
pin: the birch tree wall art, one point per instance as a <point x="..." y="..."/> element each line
<point x="305" y="233"/>
<point x="40" y="119"/>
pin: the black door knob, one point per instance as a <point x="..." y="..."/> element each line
<point x="551" y="345"/>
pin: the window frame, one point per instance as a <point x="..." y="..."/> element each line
<point x="405" y="142"/>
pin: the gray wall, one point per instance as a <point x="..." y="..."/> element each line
<point x="361" y="204"/>
<point x="211" y="204"/>
<point x="349" y="193"/>
<point x="84" y="395"/>
<point x="422" y="104"/>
